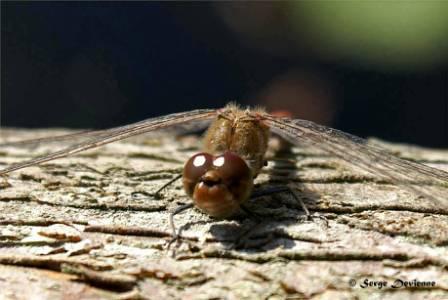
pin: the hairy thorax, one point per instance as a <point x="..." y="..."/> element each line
<point x="240" y="132"/>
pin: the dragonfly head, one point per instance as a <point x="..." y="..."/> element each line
<point x="217" y="184"/>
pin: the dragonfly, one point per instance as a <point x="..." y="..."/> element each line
<point x="220" y="178"/>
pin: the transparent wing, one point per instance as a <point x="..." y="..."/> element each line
<point x="416" y="177"/>
<point x="75" y="137"/>
<point x="71" y="137"/>
<point x="119" y="133"/>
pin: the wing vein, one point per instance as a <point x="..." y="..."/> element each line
<point x="119" y="133"/>
<point x="354" y="150"/>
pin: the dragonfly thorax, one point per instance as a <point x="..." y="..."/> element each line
<point x="241" y="132"/>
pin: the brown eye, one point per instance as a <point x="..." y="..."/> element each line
<point x="231" y="167"/>
<point x="195" y="167"/>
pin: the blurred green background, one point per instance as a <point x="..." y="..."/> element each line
<point x="383" y="35"/>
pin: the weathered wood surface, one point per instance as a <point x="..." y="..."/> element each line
<point x="89" y="227"/>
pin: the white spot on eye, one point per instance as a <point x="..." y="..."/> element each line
<point x="199" y="161"/>
<point x="219" y="162"/>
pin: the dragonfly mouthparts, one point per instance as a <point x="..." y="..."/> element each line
<point x="211" y="178"/>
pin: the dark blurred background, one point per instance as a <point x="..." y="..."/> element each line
<point x="368" y="68"/>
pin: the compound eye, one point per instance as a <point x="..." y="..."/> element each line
<point x="232" y="167"/>
<point x="195" y="167"/>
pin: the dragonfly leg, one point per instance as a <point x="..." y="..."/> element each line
<point x="293" y="190"/>
<point x="174" y="233"/>
<point x="157" y="193"/>
<point x="288" y="188"/>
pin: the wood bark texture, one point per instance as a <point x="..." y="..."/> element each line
<point x="90" y="227"/>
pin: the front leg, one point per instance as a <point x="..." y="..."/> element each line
<point x="157" y="193"/>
